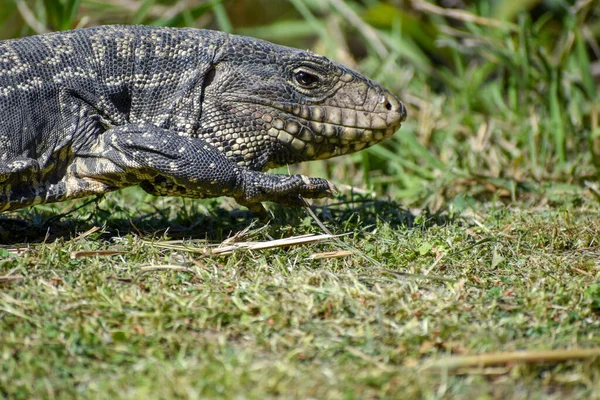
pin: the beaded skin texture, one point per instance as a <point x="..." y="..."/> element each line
<point x="180" y="112"/>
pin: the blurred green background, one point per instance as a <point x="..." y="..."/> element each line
<point x="502" y="95"/>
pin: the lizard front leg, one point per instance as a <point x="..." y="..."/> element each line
<point x="164" y="163"/>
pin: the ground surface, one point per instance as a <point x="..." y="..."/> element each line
<point x="163" y="318"/>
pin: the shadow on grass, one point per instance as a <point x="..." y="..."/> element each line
<point x="216" y="223"/>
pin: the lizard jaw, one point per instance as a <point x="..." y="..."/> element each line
<point x="323" y="141"/>
<point x="321" y="132"/>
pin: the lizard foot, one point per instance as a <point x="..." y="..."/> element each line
<point x="288" y="190"/>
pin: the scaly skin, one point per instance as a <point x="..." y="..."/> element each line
<point x="180" y="112"/>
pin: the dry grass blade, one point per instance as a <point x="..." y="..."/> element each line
<point x="495" y="359"/>
<point x="164" y="12"/>
<point x="291" y="241"/>
<point x="315" y="218"/>
<point x="461" y="15"/>
<point x="8" y="279"/>
<point x="86" y="233"/>
<point x="364" y="28"/>
<point x="167" y="267"/>
<point x="332" y="254"/>
<point x="30" y="17"/>
<point x="238" y="235"/>
<point x="225" y="248"/>
<point x="91" y="253"/>
<point x="18" y="251"/>
<point x="490" y="371"/>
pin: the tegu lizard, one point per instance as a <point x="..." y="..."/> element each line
<point x="180" y="112"/>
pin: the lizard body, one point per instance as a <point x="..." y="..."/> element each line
<point x="182" y="112"/>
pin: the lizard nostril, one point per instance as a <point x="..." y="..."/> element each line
<point x="403" y="112"/>
<point x="388" y="105"/>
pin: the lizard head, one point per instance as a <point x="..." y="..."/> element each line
<point x="269" y="105"/>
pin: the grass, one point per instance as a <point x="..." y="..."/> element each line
<point x="475" y="233"/>
<point x="278" y="323"/>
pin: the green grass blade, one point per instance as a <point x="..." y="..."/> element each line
<point x="558" y="130"/>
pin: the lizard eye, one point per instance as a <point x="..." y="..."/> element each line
<point x="306" y="79"/>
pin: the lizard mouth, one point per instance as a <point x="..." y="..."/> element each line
<point x="316" y="140"/>
<point x="320" y="132"/>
